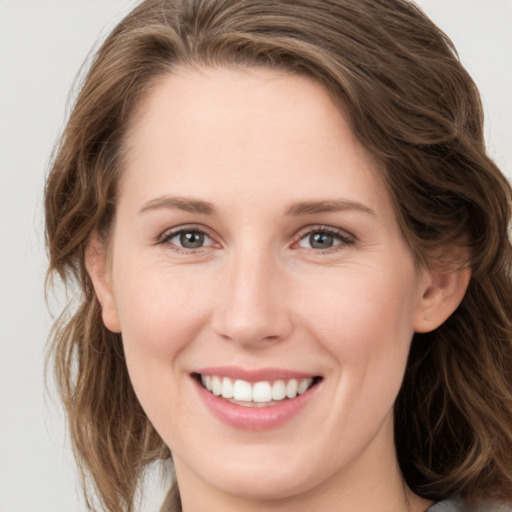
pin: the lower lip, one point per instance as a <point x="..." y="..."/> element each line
<point x="255" y="418"/>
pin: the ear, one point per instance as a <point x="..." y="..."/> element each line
<point x="97" y="267"/>
<point x="442" y="291"/>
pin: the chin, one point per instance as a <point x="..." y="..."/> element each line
<point x="263" y="479"/>
<point x="272" y="485"/>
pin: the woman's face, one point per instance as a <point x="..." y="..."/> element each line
<point x="255" y="247"/>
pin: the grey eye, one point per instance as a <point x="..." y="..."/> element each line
<point x="324" y="239"/>
<point x="191" y="239"/>
<point x="187" y="239"/>
<point x="321" y="240"/>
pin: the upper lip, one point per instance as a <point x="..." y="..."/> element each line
<point x="254" y="375"/>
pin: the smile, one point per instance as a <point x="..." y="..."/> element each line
<point x="255" y="400"/>
<point x="255" y="394"/>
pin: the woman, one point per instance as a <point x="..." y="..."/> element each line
<point x="293" y="258"/>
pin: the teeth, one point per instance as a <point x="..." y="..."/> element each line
<point x="227" y="388"/>
<point x="207" y="382"/>
<point x="216" y="386"/>
<point x="278" y="390"/>
<point x="242" y="391"/>
<point x="291" y="388"/>
<point x="304" y="385"/>
<point x="262" y="392"/>
<point x="259" y="392"/>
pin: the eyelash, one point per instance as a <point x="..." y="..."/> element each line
<point x="165" y="239"/>
<point x="344" y="239"/>
<point x="341" y="236"/>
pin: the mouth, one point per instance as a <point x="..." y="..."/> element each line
<point x="263" y="393"/>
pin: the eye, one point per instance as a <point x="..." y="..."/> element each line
<point x="190" y="239"/>
<point x="187" y="239"/>
<point x="324" y="239"/>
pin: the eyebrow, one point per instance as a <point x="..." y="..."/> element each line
<point x="333" y="205"/>
<point x="186" y="204"/>
<point x="190" y="205"/>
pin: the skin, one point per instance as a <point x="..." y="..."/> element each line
<point x="252" y="143"/>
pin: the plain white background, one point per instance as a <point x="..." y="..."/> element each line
<point x="42" y="45"/>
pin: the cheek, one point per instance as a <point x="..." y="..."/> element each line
<point x="365" y="323"/>
<point x="160" y="319"/>
<point x="148" y="319"/>
<point x="366" y="329"/>
<point x="365" y="306"/>
<point x="161" y="312"/>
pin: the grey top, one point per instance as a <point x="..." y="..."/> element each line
<point x="454" y="505"/>
<point x="447" y="506"/>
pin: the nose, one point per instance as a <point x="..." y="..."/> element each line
<point x="252" y="309"/>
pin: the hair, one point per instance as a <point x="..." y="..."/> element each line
<point x="413" y="106"/>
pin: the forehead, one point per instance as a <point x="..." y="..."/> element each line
<point x="209" y="101"/>
<point x="245" y="128"/>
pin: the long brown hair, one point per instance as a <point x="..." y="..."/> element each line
<point x="415" y="108"/>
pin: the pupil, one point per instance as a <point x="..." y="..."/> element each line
<point x="321" y="240"/>
<point x="191" y="239"/>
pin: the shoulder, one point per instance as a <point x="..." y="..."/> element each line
<point x="455" y="505"/>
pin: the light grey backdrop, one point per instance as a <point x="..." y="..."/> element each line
<point x="42" y="44"/>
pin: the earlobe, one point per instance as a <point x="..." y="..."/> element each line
<point x="97" y="268"/>
<point x="444" y="289"/>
